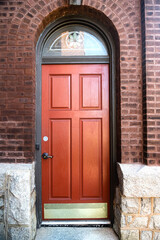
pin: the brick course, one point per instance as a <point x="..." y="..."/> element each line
<point x="21" y="23"/>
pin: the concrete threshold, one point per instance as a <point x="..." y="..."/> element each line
<point x="76" y="233"/>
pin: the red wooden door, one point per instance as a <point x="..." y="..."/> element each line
<point x="75" y="130"/>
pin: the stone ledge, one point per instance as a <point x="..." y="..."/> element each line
<point x="4" y="167"/>
<point x="11" y="166"/>
<point x="137" y="180"/>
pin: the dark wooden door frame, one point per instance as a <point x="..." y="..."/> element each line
<point x="113" y="116"/>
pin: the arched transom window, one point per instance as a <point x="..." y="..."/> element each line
<point x="74" y="40"/>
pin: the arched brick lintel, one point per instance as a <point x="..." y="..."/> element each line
<point x="82" y="11"/>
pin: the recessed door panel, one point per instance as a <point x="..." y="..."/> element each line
<point x="91" y="91"/>
<point x="75" y="134"/>
<point x="60" y="96"/>
<point x="91" y="158"/>
<point x="61" y="166"/>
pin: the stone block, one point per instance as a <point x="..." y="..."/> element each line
<point x="129" y="205"/>
<point x="17" y="197"/>
<point x="150" y="225"/>
<point x="157" y="205"/>
<point x="129" y="219"/>
<point x="17" y="201"/>
<point x="123" y="221"/>
<point x="146" y="235"/>
<point x="139" y="222"/>
<point x="156" y="236"/>
<point x="145" y="206"/>
<point x="155" y="222"/>
<point x="19" y="233"/>
<point x="2" y="231"/>
<point x="5" y="167"/>
<point x="129" y="234"/>
<point x="136" y="180"/>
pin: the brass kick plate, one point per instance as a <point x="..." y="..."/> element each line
<point x="75" y="210"/>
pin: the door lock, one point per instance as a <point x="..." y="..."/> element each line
<point x="46" y="156"/>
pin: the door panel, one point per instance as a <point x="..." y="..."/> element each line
<point x="60" y="96"/>
<point x="90" y="91"/>
<point x="91" y="167"/>
<point x="60" y="170"/>
<point x="75" y="130"/>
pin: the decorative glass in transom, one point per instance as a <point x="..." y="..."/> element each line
<point x="75" y="40"/>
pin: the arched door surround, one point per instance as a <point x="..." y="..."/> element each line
<point x="109" y="57"/>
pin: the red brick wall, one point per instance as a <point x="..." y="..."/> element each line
<point x="151" y="80"/>
<point x="21" y="23"/>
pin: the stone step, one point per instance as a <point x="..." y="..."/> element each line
<point x="76" y="233"/>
